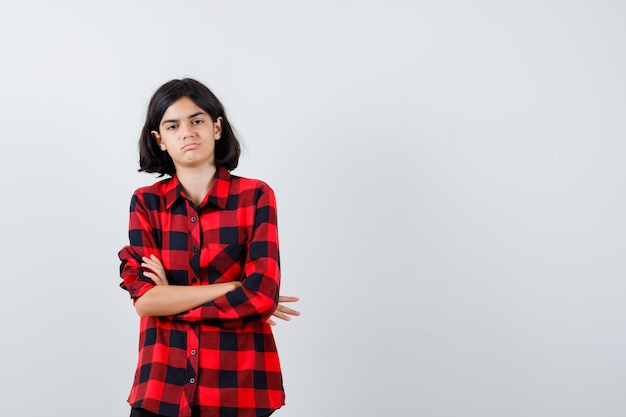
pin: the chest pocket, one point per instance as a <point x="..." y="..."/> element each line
<point x="225" y="261"/>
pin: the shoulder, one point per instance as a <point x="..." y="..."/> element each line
<point x="156" y="188"/>
<point x="151" y="194"/>
<point x="251" y="191"/>
<point x="244" y="183"/>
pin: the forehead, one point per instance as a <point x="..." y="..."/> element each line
<point x="182" y="108"/>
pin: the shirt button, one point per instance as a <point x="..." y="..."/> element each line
<point x="195" y="250"/>
<point x="194" y="280"/>
<point x="193" y="352"/>
<point x="192" y="380"/>
<point x="193" y="325"/>
<point x="193" y="219"/>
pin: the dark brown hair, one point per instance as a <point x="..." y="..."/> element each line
<point x="152" y="159"/>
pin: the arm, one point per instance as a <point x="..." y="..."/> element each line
<point x="144" y="276"/>
<point x="166" y="300"/>
<point x="174" y="299"/>
<point x="257" y="298"/>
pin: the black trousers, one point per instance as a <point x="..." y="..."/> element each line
<point x="140" y="412"/>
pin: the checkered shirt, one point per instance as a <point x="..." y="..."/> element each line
<point x="219" y="358"/>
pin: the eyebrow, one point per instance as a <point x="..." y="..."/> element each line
<point x="190" y="117"/>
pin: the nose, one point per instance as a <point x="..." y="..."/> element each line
<point x="186" y="130"/>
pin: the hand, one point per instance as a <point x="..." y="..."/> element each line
<point x="232" y="285"/>
<point x="153" y="269"/>
<point x="283" y="312"/>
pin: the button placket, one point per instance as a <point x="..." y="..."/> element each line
<point x="193" y="343"/>
<point x="194" y="239"/>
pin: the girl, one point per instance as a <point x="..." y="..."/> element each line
<point x="202" y="267"/>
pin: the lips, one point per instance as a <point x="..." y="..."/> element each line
<point x="191" y="145"/>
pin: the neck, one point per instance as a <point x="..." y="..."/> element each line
<point x="196" y="182"/>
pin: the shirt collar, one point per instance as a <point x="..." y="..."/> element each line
<point x="218" y="193"/>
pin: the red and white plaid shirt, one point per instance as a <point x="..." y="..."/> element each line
<point x="219" y="358"/>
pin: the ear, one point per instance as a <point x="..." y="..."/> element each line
<point x="217" y="128"/>
<point x="158" y="139"/>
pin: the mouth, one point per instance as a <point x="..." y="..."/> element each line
<point x="190" y="145"/>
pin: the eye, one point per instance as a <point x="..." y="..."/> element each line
<point x="198" y="121"/>
<point x="171" y="127"/>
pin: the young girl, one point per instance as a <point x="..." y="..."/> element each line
<point x="202" y="267"/>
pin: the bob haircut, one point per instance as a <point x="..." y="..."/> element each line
<point x="152" y="159"/>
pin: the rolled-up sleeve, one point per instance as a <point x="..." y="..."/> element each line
<point x="142" y="242"/>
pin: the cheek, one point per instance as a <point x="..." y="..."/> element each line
<point x="166" y="138"/>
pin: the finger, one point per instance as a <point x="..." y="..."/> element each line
<point x="287" y="299"/>
<point x="157" y="260"/>
<point x="288" y="310"/>
<point x="153" y="259"/>
<point x="154" y="277"/>
<point x="152" y="263"/>
<point x="150" y="259"/>
<point x="281" y="315"/>
<point x="153" y="268"/>
<point x="270" y="322"/>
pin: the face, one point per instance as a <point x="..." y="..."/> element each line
<point x="188" y="134"/>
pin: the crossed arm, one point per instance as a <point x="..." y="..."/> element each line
<point x="166" y="300"/>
